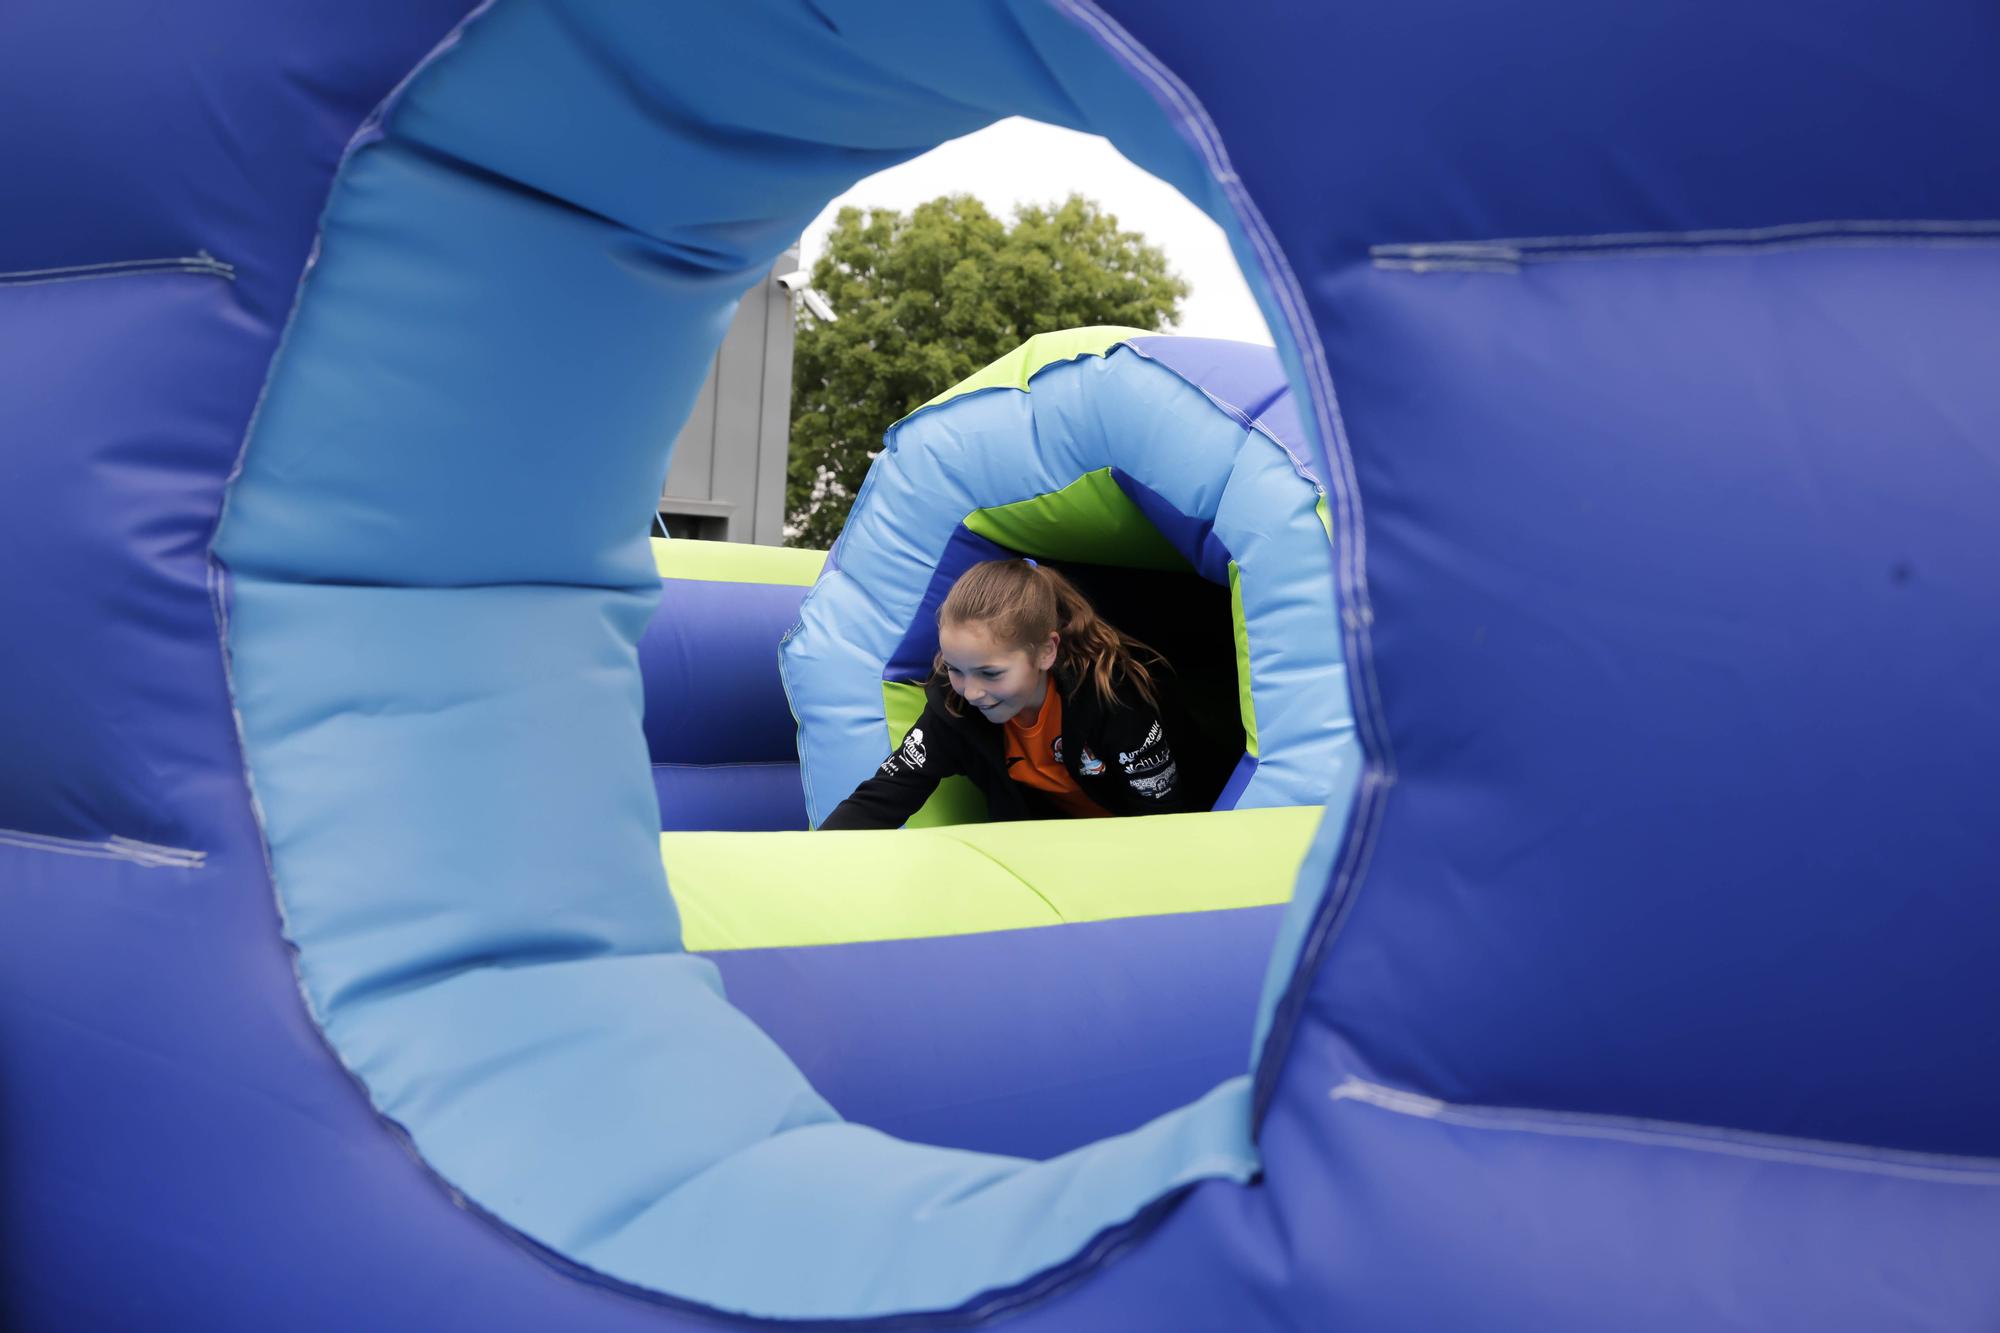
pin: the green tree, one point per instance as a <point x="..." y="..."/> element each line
<point x="926" y="298"/>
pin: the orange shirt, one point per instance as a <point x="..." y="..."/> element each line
<point x="1036" y="760"/>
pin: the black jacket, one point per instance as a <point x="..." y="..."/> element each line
<point x="1122" y="755"/>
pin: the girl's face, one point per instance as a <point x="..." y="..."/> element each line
<point x="997" y="680"/>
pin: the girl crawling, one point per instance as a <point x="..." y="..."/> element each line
<point x="1038" y="700"/>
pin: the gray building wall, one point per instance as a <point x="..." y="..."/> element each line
<point x="727" y="478"/>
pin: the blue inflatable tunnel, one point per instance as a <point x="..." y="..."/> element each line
<point x="1645" y="356"/>
<point x="1167" y="476"/>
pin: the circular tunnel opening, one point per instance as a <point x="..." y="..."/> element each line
<point x="464" y="844"/>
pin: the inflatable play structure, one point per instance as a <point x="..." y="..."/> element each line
<point x="1118" y="961"/>
<point x="1166" y="476"/>
<point x="1641" y="979"/>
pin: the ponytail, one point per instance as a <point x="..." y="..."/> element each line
<point x="1024" y="602"/>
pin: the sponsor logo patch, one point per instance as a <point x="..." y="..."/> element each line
<point x="913" y="747"/>
<point x="1089" y="764"/>
<point x="1055" y="748"/>
<point x="1159" y="784"/>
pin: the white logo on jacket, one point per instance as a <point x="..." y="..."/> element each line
<point x="913" y="747"/>
<point x="1146" y="758"/>
<point x="1089" y="764"/>
<point x="1159" y="784"/>
<point x="1152" y="739"/>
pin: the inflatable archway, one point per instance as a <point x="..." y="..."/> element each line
<point x="1099" y="449"/>
<point x="1648" y="978"/>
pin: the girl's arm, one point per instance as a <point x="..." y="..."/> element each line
<point x="928" y="755"/>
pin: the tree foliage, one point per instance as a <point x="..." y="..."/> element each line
<point x="926" y="298"/>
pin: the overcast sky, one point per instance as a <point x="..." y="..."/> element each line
<point x="1024" y="161"/>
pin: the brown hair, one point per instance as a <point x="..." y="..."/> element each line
<point x="1022" y="603"/>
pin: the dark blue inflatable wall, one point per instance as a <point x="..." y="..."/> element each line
<point x="1650" y="354"/>
<point x="718" y="729"/>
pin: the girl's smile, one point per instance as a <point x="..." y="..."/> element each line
<point x="999" y="681"/>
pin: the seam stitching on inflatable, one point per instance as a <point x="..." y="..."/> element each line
<point x="1471" y="264"/>
<point x="1108" y="1243"/>
<point x="1508" y="255"/>
<point x="113" y="848"/>
<point x="372" y="124"/>
<point x="1703" y="236"/>
<point x="197" y="265"/>
<point x="1827" y="1153"/>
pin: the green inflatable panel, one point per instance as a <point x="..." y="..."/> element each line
<point x="1014" y="370"/>
<point x="783" y="890"/>
<point x="1090" y="520"/>
<point x="736" y="562"/>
